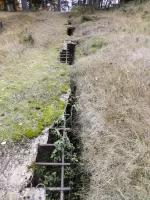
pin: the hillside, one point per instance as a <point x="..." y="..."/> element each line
<point x="112" y="75"/>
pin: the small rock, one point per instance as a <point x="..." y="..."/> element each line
<point x="3" y="143"/>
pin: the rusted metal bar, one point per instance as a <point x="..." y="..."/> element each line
<point x="62" y="167"/>
<point x="65" y="53"/>
<point x="61" y="128"/>
<point x="58" y="188"/>
<point x="52" y="164"/>
<point x="64" y="56"/>
<point x="46" y="145"/>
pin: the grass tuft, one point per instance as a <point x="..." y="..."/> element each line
<point x="85" y="18"/>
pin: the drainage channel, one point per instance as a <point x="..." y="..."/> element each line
<point x="57" y="164"/>
<point x="70" y="30"/>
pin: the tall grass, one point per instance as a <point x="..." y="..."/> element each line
<point x="114" y="98"/>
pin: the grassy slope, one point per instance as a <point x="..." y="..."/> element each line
<point x="113" y="89"/>
<point x="31" y="78"/>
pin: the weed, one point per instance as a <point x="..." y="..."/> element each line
<point x="85" y="18"/>
<point x="99" y="43"/>
<point x="90" y="47"/>
<point x="26" y="37"/>
<point x="52" y="177"/>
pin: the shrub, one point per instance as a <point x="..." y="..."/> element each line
<point x="85" y="18"/>
<point x="98" y="44"/>
<point x="26" y="37"/>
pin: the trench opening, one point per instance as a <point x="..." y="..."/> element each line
<point x="70" y="31"/>
<point x="67" y="54"/>
<point x="74" y="174"/>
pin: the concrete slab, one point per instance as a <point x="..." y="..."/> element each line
<point x="33" y="194"/>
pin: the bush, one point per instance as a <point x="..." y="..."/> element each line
<point x="26" y="37"/>
<point x="88" y="9"/>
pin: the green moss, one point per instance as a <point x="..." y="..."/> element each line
<point x="49" y="112"/>
<point x="63" y="74"/>
<point x="30" y="133"/>
<point x="65" y="89"/>
<point x="32" y="167"/>
<point x="31" y="96"/>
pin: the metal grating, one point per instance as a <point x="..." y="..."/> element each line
<point x="67" y="52"/>
<point x="61" y="164"/>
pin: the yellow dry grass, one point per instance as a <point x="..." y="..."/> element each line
<point x="113" y="90"/>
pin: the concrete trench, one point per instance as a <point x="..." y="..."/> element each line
<point x="59" y="189"/>
<point x="38" y="188"/>
<point x="65" y="187"/>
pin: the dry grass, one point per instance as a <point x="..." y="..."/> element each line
<point x="31" y="78"/>
<point x="113" y="89"/>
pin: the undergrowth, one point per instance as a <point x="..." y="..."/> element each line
<point x="51" y="176"/>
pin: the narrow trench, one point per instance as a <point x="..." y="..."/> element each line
<point x="70" y="31"/>
<point x="74" y="174"/>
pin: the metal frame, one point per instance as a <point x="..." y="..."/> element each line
<point x="62" y="164"/>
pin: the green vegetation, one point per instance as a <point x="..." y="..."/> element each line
<point x="48" y="112"/>
<point x="86" y="48"/>
<point x="32" y="79"/>
<point x="79" y="9"/>
<point x="37" y="104"/>
<point x="85" y="18"/>
<point x="53" y="177"/>
<point x="99" y="43"/>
